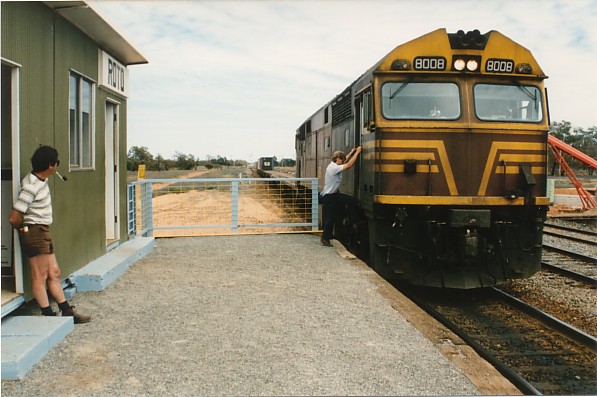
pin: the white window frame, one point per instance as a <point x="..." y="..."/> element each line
<point x="81" y="163"/>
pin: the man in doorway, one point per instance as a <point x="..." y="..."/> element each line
<point x="32" y="217"/>
<point x="330" y="196"/>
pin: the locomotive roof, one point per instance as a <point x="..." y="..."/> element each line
<point x="439" y="42"/>
<point x="492" y="44"/>
<point x="471" y="43"/>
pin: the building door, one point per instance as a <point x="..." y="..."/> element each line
<point x="12" y="268"/>
<point x="112" y="186"/>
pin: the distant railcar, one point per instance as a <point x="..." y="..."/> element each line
<point x="452" y="177"/>
<point x="265" y="163"/>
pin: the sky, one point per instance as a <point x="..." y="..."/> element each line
<point x="236" y="79"/>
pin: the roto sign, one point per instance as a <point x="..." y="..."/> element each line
<point x="113" y="74"/>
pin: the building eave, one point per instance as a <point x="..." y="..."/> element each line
<point x="82" y="15"/>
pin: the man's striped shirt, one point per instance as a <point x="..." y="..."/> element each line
<point x="34" y="201"/>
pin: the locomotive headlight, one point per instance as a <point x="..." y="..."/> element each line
<point x="472" y="65"/>
<point x="401" y="64"/>
<point x="466" y="63"/>
<point x="524" y="68"/>
<point x="459" y="64"/>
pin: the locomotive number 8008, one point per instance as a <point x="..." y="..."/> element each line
<point x="451" y="181"/>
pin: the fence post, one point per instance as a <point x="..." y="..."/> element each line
<point x="235" y="206"/>
<point x="314" y="205"/>
<point x="131" y="211"/>
<point x="147" y="208"/>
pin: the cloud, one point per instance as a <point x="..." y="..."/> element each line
<point x="237" y="78"/>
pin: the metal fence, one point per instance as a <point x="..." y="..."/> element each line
<point x="193" y="207"/>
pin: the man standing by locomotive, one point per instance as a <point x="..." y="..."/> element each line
<point x="330" y="196"/>
<point x="32" y="217"/>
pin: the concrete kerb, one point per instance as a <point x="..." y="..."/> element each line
<point x="100" y="273"/>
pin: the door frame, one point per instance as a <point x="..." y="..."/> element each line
<point x="112" y="168"/>
<point x="16" y="169"/>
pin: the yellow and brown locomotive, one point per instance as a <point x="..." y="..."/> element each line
<point x="452" y="177"/>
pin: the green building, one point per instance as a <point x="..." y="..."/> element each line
<point x="65" y="83"/>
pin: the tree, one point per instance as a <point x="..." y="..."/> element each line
<point x="287" y="163"/>
<point x="138" y="155"/>
<point x="578" y="138"/>
<point x="561" y="130"/>
<point x="161" y="163"/>
<point x="183" y="161"/>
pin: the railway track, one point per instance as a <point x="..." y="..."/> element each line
<point x="570" y="233"/>
<point x="570" y="251"/>
<point x="537" y="352"/>
<point x="570" y="264"/>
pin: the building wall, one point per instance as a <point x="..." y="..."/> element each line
<point x="48" y="47"/>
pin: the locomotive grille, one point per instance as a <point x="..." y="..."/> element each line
<point x="341" y="108"/>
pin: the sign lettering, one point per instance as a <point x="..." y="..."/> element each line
<point x="495" y="65"/>
<point x="112" y="74"/>
<point x="430" y="63"/>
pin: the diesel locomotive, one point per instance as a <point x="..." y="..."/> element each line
<point x="265" y="163"/>
<point x="451" y="182"/>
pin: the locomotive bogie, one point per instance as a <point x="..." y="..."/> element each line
<point x="455" y="247"/>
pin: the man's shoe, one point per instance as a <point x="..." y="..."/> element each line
<point x="79" y="318"/>
<point x="326" y="242"/>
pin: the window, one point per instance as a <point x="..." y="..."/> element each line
<point x="420" y="101"/>
<point x="508" y="103"/>
<point x="81" y="122"/>
<point x="347" y="137"/>
<point x="366" y="113"/>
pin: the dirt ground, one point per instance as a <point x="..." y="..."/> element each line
<point x="566" y="210"/>
<point x="213" y="208"/>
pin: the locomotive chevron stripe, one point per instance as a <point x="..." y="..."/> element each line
<point x="510" y="152"/>
<point x="425" y="156"/>
<point x="434" y="146"/>
<point x="400" y="168"/>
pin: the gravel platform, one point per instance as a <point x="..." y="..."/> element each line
<point x="242" y="315"/>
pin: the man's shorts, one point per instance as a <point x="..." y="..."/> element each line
<point x="36" y="240"/>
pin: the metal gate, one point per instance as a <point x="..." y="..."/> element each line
<point x="208" y="206"/>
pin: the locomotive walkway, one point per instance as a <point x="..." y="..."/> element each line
<point x="275" y="314"/>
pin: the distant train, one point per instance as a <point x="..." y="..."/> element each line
<point x="265" y="163"/>
<point x="452" y="177"/>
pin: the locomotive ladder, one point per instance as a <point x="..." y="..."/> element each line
<point x="557" y="146"/>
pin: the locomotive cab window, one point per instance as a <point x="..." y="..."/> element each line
<point x="508" y="102"/>
<point x="421" y="101"/>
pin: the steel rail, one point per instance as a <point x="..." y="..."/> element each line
<point x="585" y="258"/>
<point x="565" y="237"/>
<point x="549" y="320"/>
<point x="569" y="273"/>
<point x="522" y="384"/>
<point x="570" y="229"/>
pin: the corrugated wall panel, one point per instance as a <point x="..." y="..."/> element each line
<point x="31" y="44"/>
<point x="78" y="203"/>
